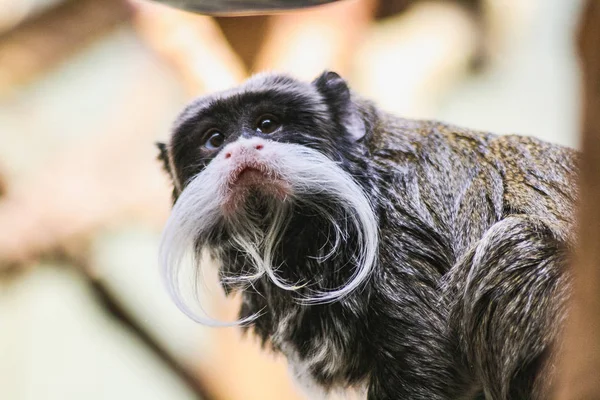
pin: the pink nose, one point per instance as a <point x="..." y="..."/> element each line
<point x="243" y="147"/>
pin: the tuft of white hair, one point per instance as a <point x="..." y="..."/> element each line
<point x="199" y="213"/>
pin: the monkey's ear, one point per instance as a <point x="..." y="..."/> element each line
<point x="164" y="158"/>
<point x="337" y="95"/>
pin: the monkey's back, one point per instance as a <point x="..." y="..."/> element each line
<point x="462" y="181"/>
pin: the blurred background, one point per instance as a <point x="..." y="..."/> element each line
<point x="88" y="86"/>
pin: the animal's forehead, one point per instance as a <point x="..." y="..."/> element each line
<point x="281" y="90"/>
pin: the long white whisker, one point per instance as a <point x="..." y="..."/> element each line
<point x="311" y="177"/>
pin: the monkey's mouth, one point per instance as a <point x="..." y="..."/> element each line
<point x="248" y="176"/>
<point x="252" y="181"/>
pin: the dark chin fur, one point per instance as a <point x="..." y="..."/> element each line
<point x="307" y="235"/>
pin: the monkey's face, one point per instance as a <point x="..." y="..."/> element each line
<point x="257" y="167"/>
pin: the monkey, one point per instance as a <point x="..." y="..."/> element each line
<point x="406" y="259"/>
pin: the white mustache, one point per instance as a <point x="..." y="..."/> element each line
<point x="198" y="211"/>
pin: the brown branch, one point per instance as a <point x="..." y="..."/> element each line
<point x="15" y="12"/>
<point x="2" y="185"/>
<point x="580" y="367"/>
<point x="44" y="41"/>
<point x="118" y="312"/>
<point x="305" y="43"/>
<point x="193" y="45"/>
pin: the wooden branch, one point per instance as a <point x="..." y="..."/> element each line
<point x="580" y="366"/>
<point x="115" y="310"/>
<point x="307" y="42"/>
<point x="2" y="185"/>
<point x="246" y="35"/>
<point x="191" y="44"/>
<point x="15" y="12"/>
<point x="45" y="41"/>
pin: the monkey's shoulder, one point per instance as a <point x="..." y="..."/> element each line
<point x="522" y="174"/>
<point x="438" y="141"/>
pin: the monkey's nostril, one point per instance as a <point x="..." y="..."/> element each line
<point x="227" y="155"/>
<point x="259" y="147"/>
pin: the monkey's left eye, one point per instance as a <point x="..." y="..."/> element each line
<point x="267" y="124"/>
<point x="215" y="140"/>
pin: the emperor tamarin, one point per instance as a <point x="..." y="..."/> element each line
<point x="409" y="259"/>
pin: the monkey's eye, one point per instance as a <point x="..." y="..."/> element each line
<point x="267" y="124"/>
<point x="215" y="140"/>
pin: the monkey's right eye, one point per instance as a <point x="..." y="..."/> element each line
<point x="215" y="140"/>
